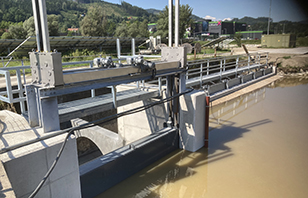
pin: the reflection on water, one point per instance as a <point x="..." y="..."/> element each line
<point x="290" y="82"/>
<point x="257" y="148"/>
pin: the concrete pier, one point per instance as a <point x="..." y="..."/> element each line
<point x="25" y="167"/>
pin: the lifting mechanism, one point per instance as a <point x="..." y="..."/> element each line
<point x="50" y="81"/>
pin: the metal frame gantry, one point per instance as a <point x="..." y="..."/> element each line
<point x="49" y="81"/>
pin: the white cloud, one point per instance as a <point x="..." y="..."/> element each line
<point x="210" y="17"/>
<point x="227" y="19"/>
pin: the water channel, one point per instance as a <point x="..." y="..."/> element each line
<point x="258" y="148"/>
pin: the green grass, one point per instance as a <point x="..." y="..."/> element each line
<point x="286" y="57"/>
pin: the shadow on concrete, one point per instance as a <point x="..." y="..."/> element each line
<point x="156" y="116"/>
<point x="5" y="143"/>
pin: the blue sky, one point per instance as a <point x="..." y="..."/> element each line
<point x="221" y="9"/>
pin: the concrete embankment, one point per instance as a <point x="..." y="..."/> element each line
<point x="247" y="89"/>
<point x="289" y="61"/>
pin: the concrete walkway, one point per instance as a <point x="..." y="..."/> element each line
<point x="298" y="50"/>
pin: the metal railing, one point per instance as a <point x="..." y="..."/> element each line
<point x="16" y="95"/>
<point x="206" y="67"/>
<point x="196" y="69"/>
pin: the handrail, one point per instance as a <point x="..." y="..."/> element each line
<point x="196" y="68"/>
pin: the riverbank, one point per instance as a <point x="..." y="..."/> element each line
<point x="289" y="61"/>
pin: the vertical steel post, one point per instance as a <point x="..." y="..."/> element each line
<point x="23" y="72"/>
<point x="20" y="91"/>
<point x="207" y="121"/>
<point x="44" y="25"/>
<point x="220" y="69"/>
<point x="159" y="85"/>
<point x="114" y="96"/>
<point x="208" y="67"/>
<point x="170" y="22"/>
<point x="237" y="59"/>
<point x="32" y="105"/>
<point x="177" y="21"/>
<point x="119" y="49"/>
<point x="37" y="23"/>
<point x="201" y="74"/>
<point x="92" y="90"/>
<point x="133" y="47"/>
<point x="8" y="86"/>
<point x="249" y="63"/>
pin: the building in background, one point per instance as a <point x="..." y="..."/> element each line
<point x="226" y="27"/>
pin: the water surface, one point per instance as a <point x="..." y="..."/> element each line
<point x="258" y="148"/>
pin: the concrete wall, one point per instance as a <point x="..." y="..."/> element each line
<point x="104" y="139"/>
<point x="192" y="121"/>
<point x="26" y="166"/>
<point x="26" y="171"/>
<point x="133" y="127"/>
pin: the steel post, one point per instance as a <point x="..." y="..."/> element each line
<point x="114" y="96"/>
<point x="201" y="74"/>
<point x="44" y="25"/>
<point x="170" y="22"/>
<point x="119" y="49"/>
<point x="92" y="90"/>
<point x="20" y="91"/>
<point x="49" y="113"/>
<point x="207" y="121"/>
<point x="37" y="23"/>
<point x="208" y="67"/>
<point x="8" y="86"/>
<point x="32" y="106"/>
<point x="177" y="21"/>
<point x="133" y="47"/>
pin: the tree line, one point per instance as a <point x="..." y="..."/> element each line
<point x="94" y="21"/>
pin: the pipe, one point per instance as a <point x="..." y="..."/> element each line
<point x="44" y="25"/>
<point x="207" y="120"/>
<point x="170" y="22"/>
<point x="176" y="28"/>
<point x="37" y="24"/>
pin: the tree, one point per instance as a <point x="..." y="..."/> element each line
<point x="52" y="21"/>
<point x="6" y="35"/>
<point x="29" y="26"/>
<point x="121" y="30"/>
<point x="238" y="39"/>
<point x="94" y="24"/>
<point x="17" y="31"/>
<point x="185" y="21"/>
<point x="53" y="25"/>
<point x="133" y="29"/>
<point x="143" y="29"/>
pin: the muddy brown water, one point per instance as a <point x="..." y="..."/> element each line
<point x="258" y="148"/>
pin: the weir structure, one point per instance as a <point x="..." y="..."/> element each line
<point x="156" y="113"/>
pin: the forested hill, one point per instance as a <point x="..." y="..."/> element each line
<point x="70" y="12"/>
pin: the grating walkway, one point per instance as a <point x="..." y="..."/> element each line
<point x="90" y="106"/>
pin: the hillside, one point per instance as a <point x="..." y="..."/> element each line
<point x="70" y="12"/>
<point x="251" y="21"/>
<point x="156" y="12"/>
